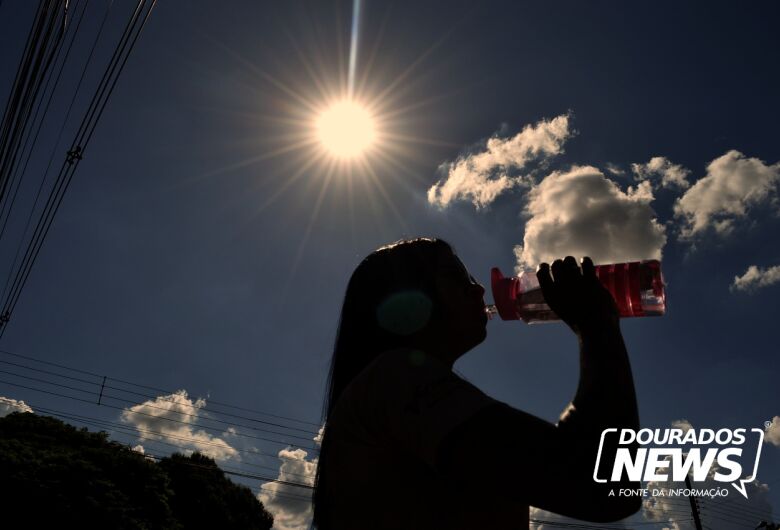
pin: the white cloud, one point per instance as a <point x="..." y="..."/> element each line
<point x="615" y="169"/>
<point x="732" y="185"/>
<point x="8" y="405"/>
<point x="481" y="176"/>
<point x="175" y="418"/>
<point x="772" y="432"/>
<point x="659" y="167"/>
<point x="755" y="278"/>
<point x="684" y="425"/>
<point x="291" y="505"/>
<point x="582" y="213"/>
<point x="318" y="438"/>
<point x="140" y="450"/>
<point x="544" y="520"/>
<point x="536" y="515"/>
<point x="675" y="510"/>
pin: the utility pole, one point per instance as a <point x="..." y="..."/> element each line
<point x="694" y="505"/>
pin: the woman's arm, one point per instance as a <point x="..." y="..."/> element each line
<point x="552" y="465"/>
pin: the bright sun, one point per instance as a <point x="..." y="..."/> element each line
<point x="346" y="129"/>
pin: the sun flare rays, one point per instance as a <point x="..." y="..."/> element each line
<point x="332" y="134"/>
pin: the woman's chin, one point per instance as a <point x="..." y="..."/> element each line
<point x="479" y="336"/>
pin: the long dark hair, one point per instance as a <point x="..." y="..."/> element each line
<point x="390" y="298"/>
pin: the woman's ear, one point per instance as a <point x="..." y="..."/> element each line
<point x="405" y="313"/>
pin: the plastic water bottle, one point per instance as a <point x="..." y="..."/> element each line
<point x="637" y="287"/>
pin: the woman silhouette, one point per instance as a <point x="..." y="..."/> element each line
<point x="410" y="445"/>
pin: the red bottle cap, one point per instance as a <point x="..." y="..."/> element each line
<point x="505" y="291"/>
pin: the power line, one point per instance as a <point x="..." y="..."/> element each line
<point x="573" y="524"/>
<point x="254" y="476"/>
<point x="138" y="413"/>
<point x="722" y="503"/>
<point x="736" y="506"/>
<point x="670" y="501"/>
<point x="734" y="520"/>
<point x="134" y="431"/>
<point x="694" y="504"/>
<point x="42" y="43"/>
<point x="239" y="473"/>
<point x="75" y="154"/>
<point x="711" y="512"/>
<point x="153" y="388"/>
<point x="190" y="440"/>
<point x="54" y="148"/>
<point x="713" y="509"/>
<point x="169" y="398"/>
<point x="19" y="173"/>
<point x="717" y="515"/>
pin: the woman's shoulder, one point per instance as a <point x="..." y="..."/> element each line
<point x="407" y="374"/>
<point x="409" y="397"/>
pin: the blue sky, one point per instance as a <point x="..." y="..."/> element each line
<point x="186" y="257"/>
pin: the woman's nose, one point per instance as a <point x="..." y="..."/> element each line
<point x="478" y="289"/>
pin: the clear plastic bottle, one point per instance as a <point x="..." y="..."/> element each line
<point x="638" y="289"/>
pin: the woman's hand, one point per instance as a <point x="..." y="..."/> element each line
<point x="563" y="455"/>
<point x="577" y="296"/>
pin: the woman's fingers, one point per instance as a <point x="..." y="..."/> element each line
<point x="557" y="270"/>
<point x="574" y="293"/>
<point x="545" y="280"/>
<point x="547" y="284"/>
<point x="571" y="265"/>
<point x="567" y="275"/>
<point x="588" y="269"/>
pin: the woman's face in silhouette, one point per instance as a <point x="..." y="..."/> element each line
<point x="463" y="303"/>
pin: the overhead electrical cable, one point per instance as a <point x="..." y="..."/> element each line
<point x="156" y="417"/>
<point x="145" y="437"/>
<point x="156" y="399"/>
<point x="260" y="477"/>
<point x="86" y="130"/>
<point x="163" y="391"/>
<point x="5" y="317"/>
<point x="7" y="206"/>
<point x="37" y="58"/>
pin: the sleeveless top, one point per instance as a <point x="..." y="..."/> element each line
<point x="383" y="438"/>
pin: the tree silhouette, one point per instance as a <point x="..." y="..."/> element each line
<point x="55" y="475"/>
<point x="205" y="498"/>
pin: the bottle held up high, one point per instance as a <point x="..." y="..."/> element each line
<point x="637" y="287"/>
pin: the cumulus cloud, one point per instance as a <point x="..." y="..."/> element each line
<point x="772" y="432"/>
<point x="615" y="169"/>
<point x="544" y="520"/>
<point x="675" y="511"/>
<point x="539" y="518"/>
<point x="733" y="184"/>
<point x="756" y="278"/>
<point x="8" y="405"/>
<point x="663" y="170"/>
<point x="580" y="212"/>
<point x="291" y="505"/>
<point x="173" y="419"/>
<point x="683" y="425"/>
<point x="483" y="175"/>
